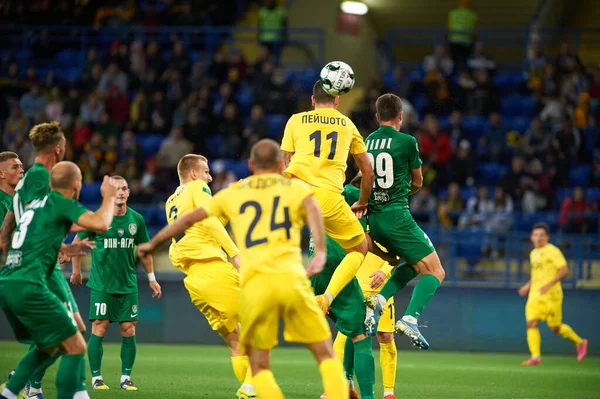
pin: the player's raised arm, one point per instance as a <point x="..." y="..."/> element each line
<point x="100" y="221"/>
<point x="317" y="229"/>
<point x="178" y="227"/>
<point x="288" y="146"/>
<point x="366" y="184"/>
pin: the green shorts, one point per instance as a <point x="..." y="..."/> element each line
<point x="398" y="232"/>
<point x="117" y="308"/>
<point x="36" y="314"/>
<point x="348" y="310"/>
<point x="60" y="287"/>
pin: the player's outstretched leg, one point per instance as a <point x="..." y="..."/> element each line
<point x="565" y="331"/>
<point x="364" y="365"/>
<point x="534" y="341"/>
<point x="128" y="353"/>
<point x="387" y="358"/>
<point x="33" y="359"/>
<point x="330" y="368"/>
<point x="68" y="375"/>
<point x="95" y="352"/>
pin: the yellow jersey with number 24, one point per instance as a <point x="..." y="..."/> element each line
<point x="321" y="141"/>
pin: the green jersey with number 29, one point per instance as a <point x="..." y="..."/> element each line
<point x="393" y="155"/>
<point x="40" y="231"/>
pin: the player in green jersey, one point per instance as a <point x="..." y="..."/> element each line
<point x="398" y="174"/>
<point x="49" y="143"/>
<point x="113" y="283"/>
<point x="36" y="314"/>
<point x="11" y="171"/>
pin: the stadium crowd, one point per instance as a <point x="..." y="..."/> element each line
<point x="486" y="146"/>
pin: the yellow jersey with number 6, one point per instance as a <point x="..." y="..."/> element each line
<point x="267" y="216"/>
<point x="321" y="141"/>
<point x="205" y="239"/>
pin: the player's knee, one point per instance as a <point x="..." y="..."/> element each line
<point x="532" y="324"/>
<point x="555" y="329"/>
<point x="99" y="327"/>
<point x="363" y="247"/>
<point x="385" y="337"/>
<point x="359" y="338"/>
<point x="75" y="345"/>
<point x="127" y="329"/>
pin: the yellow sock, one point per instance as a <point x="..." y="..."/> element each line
<point x="266" y="386"/>
<point x="344" y="273"/>
<point x="567" y="333"/>
<point x="334" y="381"/>
<point x="241" y="368"/>
<point x="534" y="341"/>
<point x="338" y="346"/>
<point x="387" y="358"/>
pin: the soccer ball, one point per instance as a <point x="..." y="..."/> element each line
<point x="337" y="78"/>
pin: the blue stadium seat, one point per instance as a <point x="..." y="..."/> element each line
<point x="276" y="124"/>
<point x="307" y="79"/>
<point x="518" y="123"/>
<point x="159" y="216"/>
<point x="147" y="212"/>
<point x="388" y="79"/>
<point x="67" y="57"/>
<point x="502" y="80"/>
<point x="150" y="143"/>
<point x="562" y="194"/>
<point x="592" y="194"/>
<point x="476" y="124"/>
<point x="90" y="193"/>
<point x="239" y="168"/>
<point x="580" y="175"/>
<point x="214" y="145"/>
<point x="509" y="106"/>
<point x="245" y="97"/>
<point x="490" y="173"/>
<point x="444" y="121"/>
<point x="468" y="192"/>
<point x="527" y="105"/>
<point x="420" y="102"/>
<point x="195" y="56"/>
<point x="417" y="76"/>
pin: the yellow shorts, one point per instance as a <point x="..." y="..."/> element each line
<point x="214" y="288"/>
<point x="341" y="223"/>
<point x="266" y="298"/>
<point x="388" y="317"/>
<point x="548" y="310"/>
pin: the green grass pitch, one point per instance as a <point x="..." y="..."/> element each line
<point x="179" y="371"/>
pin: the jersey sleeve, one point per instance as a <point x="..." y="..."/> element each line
<point x="71" y="209"/>
<point x="141" y="236"/>
<point x="37" y="185"/>
<point x="216" y="228"/>
<point x="82" y="235"/>
<point x="558" y="258"/>
<point x="217" y="205"/>
<point x="287" y="143"/>
<point x="414" y="161"/>
<point x="358" y="143"/>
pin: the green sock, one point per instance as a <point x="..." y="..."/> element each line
<point x="422" y="294"/>
<point x="128" y="350"/>
<point x="67" y="377"/>
<point x="365" y="368"/>
<point x="82" y="375"/>
<point x="349" y="359"/>
<point x="398" y="280"/>
<point x="36" y="378"/>
<point x="95" y="352"/>
<point x="32" y="360"/>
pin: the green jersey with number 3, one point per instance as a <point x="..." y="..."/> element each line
<point x="393" y="155"/>
<point x="38" y="236"/>
<point x="114" y="259"/>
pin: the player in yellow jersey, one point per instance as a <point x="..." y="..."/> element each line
<point x="316" y="145"/>
<point x="548" y="268"/>
<point x="267" y="212"/>
<point x="213" y="283"/>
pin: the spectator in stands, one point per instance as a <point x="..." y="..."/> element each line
<point x="463" y="92"/>
<point x="32" y="102"/>
<point x="580" y="115"/>
<point x="54" y="106"/>
<point x="139" y="194"/>
<point x="484" y="98"/>
<point x="130" y="152"/>
<point x="514" y="178"/>
<point x="462" y="165"/>
<point x="553" y="114"/>
<point x="439" y="61"/>
<point x="89" y="82"/>
<point x="480" y="60"/>
<point x="91" y="110"/>
<point x="117" y="105"/>
<point x="113" y="75"/>
<point x="575" y="213"/>
<point x="218" y="69"/>
<point x="537" y="189"/>
<point x="449" y="207"/>
<point x="22" y="146"/>
<point x="225" y="97"/>
<point x="230" y="128"/>
<point x="280" y="97"/>
<point x="238" y="68"/>
<point x="222" y="177"/>
<point x="106" y="126"/>
<point x="31" y="77"/>
<point x="159" y="113"/>
<point x="402" y="84"/>
<point x="262" y="58"/>
<point x="15" y="124"/>
<point x="180" y="61"/>
<point x="536" y="141"/>
<point x="82" y="132"/>
<point x="569" y="140"/>
<point x="595" y="92"/>
<point x="457" y="130"/>
<point x="173" y="148"/>
<point x="137" y="58"/>
<point x="496" y="135"/>
<point x="154" y="56"/>
<point x="71" y="108"/>
<point x="423" y="205"/>
<point x="92" y="157"/>
<point x="549" y="82"/>
<point x="140" y="109"/>
<point x="537" y="60"/>
<point x="497" y="222"/>
<point x="149" y="177"/>
<point x="434" y="145"/>
<point x="193" y="133"/>
<point x="461" y="25"/>
<point x="410" y="124"/>
<point x="478" y="209"/>
<point x="257" y="129"/>
<point x="272" y="26"/>
<point x="91" y="60"/>
<point x="566" y="61"/>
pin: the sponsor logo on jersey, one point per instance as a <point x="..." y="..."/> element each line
<point x="132" y="228"/>
<point x="120" y="232"/>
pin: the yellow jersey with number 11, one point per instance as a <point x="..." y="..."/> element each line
<point x="205" y="239"/>
<point x="321" y="141"/>
<point x="267" y="215"/>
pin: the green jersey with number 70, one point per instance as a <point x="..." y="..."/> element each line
<point x="393" y="155"/>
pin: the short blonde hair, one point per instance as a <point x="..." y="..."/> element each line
<point x="45" y="135"/>
<point x="189" y="162"/>
<point x="6" y="155"/>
